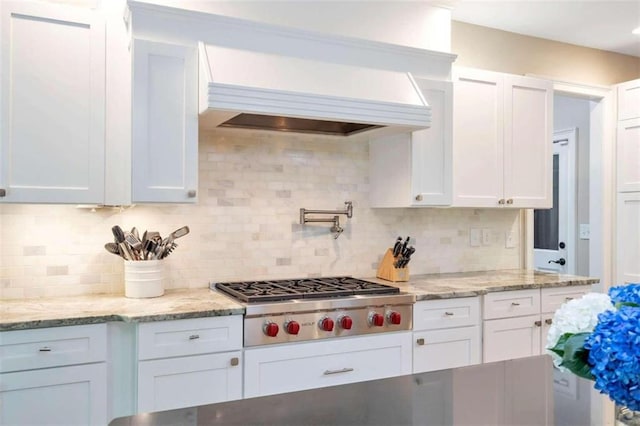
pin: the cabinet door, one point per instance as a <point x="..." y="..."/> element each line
<point x="511" y="338"/>
<point x="56" y="396"/>
<point x="448" y="348"/>
<point x="165" y="123"/>
<point x="431" y="149"/>
<point x="629" y="100"/>
<point x="629" y="156"/>
<point x="478" y="102"/>
<point x="167" y="384"/>
<point x="53" y="104"/>
<point x="528" y="127"/>
<point x="294" y="367"/>
<point x="628" y="238"/>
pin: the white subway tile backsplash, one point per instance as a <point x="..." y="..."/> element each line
<point x="245" y="225"/>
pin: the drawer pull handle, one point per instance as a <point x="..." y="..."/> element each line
<point x="449" y="314"/>
<point x="194" y="337"/>
<point x="420" y="342"/>
<point x="548" y="321"/>
<point x="343" y="370"/>
<point x="566" y="299"/>
<point x="538" y="323"/>
<point x="235" y="361"/>
<point x="45" y="349"/>
<point x="515" y="304"/>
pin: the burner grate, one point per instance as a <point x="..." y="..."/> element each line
<point x="307" y="288"/>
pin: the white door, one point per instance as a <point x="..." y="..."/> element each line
<point x="554" y="229"/>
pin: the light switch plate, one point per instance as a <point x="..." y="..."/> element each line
<point x="585" y="231"/>
<point x="475" y="236"/>
<point x="509" y="240"/>
<point x="486" y="236"/>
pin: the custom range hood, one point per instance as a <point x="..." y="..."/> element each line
<point x="255" y="90"/>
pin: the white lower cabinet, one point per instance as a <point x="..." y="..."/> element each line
<point x="446" y="334"/>
<point x="67" y="396"/>
<point x="54" y="376"/>
<point x="294" y="367"/>
<point x="189" y="362"/>
<point x="516" y="323"/>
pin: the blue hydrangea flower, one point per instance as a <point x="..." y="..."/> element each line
<point x="625" y="293"/>
<point x="614" y="355"/>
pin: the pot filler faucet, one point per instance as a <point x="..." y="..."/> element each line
<point x="336" y="228"/>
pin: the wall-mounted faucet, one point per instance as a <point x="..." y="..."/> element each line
<point x="336" y="228"/>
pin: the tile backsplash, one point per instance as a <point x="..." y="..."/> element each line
<point x="246" y="224"/>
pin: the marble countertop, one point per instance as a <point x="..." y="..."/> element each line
<point x="55" y="312"/>
<point x="468" y="284"/>
<point x="201" y="302"/>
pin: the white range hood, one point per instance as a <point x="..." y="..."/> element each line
<point x="248" y="89"/>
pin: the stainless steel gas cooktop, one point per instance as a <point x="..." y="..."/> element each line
<point x="295" y="310"/>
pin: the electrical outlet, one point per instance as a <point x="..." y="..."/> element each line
<point x="486" y="236"/>
<point x="475" y="237"/>
<point x="510" y="240"/>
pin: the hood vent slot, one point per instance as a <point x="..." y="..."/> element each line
<point x="298" y="125"/>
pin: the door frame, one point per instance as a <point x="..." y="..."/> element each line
<point x="571" y="208"/>
<point x="602" y="209"/>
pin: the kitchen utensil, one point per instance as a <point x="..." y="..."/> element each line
<point x="404" y="246"/>
<point x="168" y="249"/>
<point x="126" y="251"/>
<point x="135" y="244"/>
<point x="148" y="250"/>
<point x="180" y="232"/>
<point x="407" y="257"/>
<point x="118" y="234"/>
<point x="112" y="248"/>
<point x="397" y="247"/>
<point x="135" y="233"/>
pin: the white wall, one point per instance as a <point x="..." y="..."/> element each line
<point x="570" y="112"/>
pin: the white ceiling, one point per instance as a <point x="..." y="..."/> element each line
<point x="603" y="25"/>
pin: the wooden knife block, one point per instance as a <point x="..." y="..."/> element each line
<point x="386" y="271"/>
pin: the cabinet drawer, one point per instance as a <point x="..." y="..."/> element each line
<point x="168" y="384"/>
<point x="51" y="347"/>
<point x="295" y="367"/>
<point x="516" y="303"/>
<point x="553" y="298"/>
<point x="441" y="349"/>
<point x="165" y="339"/>
<point x="434" y="314"/>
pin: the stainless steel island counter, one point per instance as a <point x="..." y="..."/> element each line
<point x="514" y="392"/>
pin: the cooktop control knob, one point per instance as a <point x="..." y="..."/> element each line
<point x="345" y="322"/>
<point x="326" y="324"/>
<point x="270" y="329"/>
<point x="376" y="319"/>
<point x="394" y="317"/>
<point x="292" y="327"/>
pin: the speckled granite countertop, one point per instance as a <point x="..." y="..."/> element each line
<point x="201" y="302"/>
<point x="468" y="284"/>
<point x="55" y="312"/>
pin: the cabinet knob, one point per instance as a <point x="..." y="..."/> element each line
<point x="501" y="201"/>
<point x="419" y="197"/>
<point x="235" y="361"/>
<point x="548" y="321"/>
<point x="191" y="193"/>
<point x="538" y="323"/>
<point x="510" y="201"/>
<point x="3" y="192"/>
<point x="420" y="342"/>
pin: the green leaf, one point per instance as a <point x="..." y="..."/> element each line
<point x="559" y="346"/>
<point x="632" y="304"/>
<point x="576" y="356"/>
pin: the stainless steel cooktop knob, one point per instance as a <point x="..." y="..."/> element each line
<point x="270" y="329"/>
<point x="345" y="322"/>
<point x="394" y="317"/>
<point x="292" y="327"/>
<point x="376" y="319"/>
<point x="326" y="324"/>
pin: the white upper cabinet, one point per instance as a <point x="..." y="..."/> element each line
<point x="502" y="131"/>
<point x="628" y="164"/>
<point x="53" y="104"/>
<point x="414" y="169"/>
<point x="629" y="100"/>
<point x="164" y="122"/>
